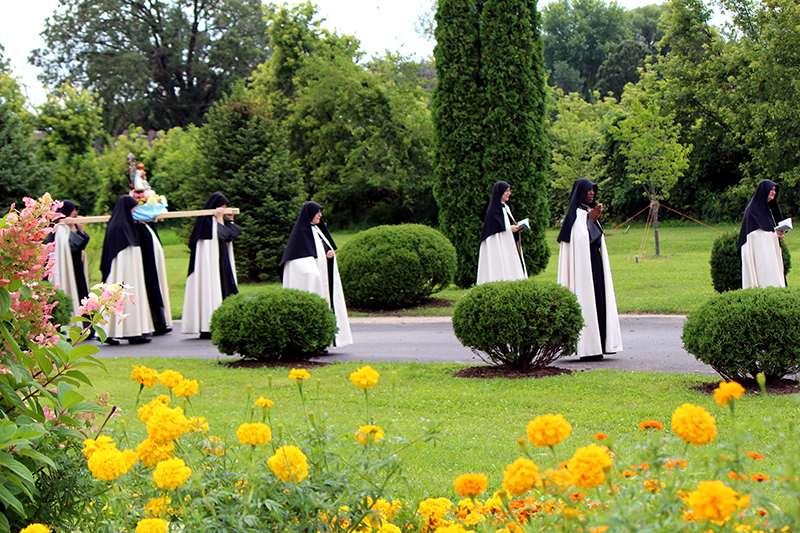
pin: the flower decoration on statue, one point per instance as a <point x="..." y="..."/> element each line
<point x="150" y="203"/>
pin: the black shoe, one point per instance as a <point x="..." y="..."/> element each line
<point x="205" y="335"/>
<point x="111" y="342"/>
<point x="162" y="331"/>
<point x="598" y="357"/>
<point x="138" y="340"/>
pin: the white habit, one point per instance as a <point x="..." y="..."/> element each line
<point x="203" y="292"/>
<point x="499" y="258"/>
<point x="575" y="272"/>
<point x="65" y="275"/>
<point x="161" y="267"/>
<point x="310" y="274"/>
<point x="127" y="268"/>
<point x="762" y="261"/>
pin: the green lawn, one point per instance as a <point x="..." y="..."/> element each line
<point x="480" y="419"/>
<point x="674" y="283"/>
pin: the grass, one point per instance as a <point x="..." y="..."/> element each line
<point x="674" y="283"/>
<point x="481" y="420"/>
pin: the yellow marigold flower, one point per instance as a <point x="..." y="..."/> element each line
<point x="103" y="442"/>
<point x="388" y="527"/>
<point x="152" y="525"/>
<point x="156" y="506"/>
<point x="365" y="377"/>
<point x="570" y="513"/>
<point x="171" y="474"/>
<point x="598" y="529"/>
<point x="185" y="388"/>
<point x="471" y="484"/>
<point x="548" y="430"/>
<point x="367" y="434"/>
<point x="197" y="424"/>
<point x="520" y="476"/>
<point x="289" y="464"/>
<point x="254" y="434"/>
<point x="170" y="378"/>
<point x="693" y="424"/>
<point x="727" y="391"/>
<point x="129" y="458"/>
<point x="454" y="528"/>
<point x="263" y="402"/>
<point x="715" y="501"/>
<point x="36" y="528"/>
<point x="468" y="513"/>
<point x="588" y="466"/>
<point x="434" y="508"/>
<point x="299" y="374"/>
<point x="150" y="453"/>
<point x="146" y="411"/>
<point x="651" y="424"/>
<point x="214" y="445"/>
<point x="108" y="465"/>
<point x="561" y="478"/>
<point x="166" y="424"/>
<point x="144" y="376"/>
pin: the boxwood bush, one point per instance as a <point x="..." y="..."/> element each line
<point x="524" y="325"/>
<point x="726" y="263"/>
<point x="273" y="324"/>
<point x="741" y="333"/>
<point x="387" y="267"/>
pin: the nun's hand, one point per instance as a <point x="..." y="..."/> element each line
<point x="780" y="234"/>
<point x="330" y="254"/>
<point x="514" y="228"/>
<point x="218" y="214"/>
<point x="594" y="214"/>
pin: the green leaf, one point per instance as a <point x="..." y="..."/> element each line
<point x="25" y="292"/>
<point x="86" y="407"/>
<point x="4" y="525"/>
<point x="82" y="350"/>
<point x="68" y="398"/>
<point x="79" y="376"/>
<point x="10" y="396"/>
<point x="8" y="461"/>
<point x="31" y="431"/>
<point x="9" y="500"/>
<point x="33" y="454"/>
<point x="7" y="431"/>
<point x="5" y="301"/>
<point x="44" y="363"/>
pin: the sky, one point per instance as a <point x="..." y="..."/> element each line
<point x="379" y="24"/>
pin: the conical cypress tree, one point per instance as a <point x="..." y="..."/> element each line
<point x="516" y="150"/>
<point x="458" y="110"/>
<point x="488" y="113"/>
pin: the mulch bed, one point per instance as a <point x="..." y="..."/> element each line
<point x="427" y="302"/>
<point x="489" y="372"/>
<point x="784" y="386"/>
<point x="274" y="364"/>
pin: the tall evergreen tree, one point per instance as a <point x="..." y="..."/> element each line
<point x="458" y="109"/>
<point x="516" y="148"/>
<point x="488" y="111"/>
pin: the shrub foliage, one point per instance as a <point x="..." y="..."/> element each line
<point x="273" y="324"/>
<point x="525" y="324"/>
<point x="395" y="266"/>
<point x="726" y="262"/>
<point x="741" y="333"/>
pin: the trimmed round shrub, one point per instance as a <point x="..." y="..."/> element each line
<point x="273" y="324"/>
<point x="741" y="333"/>
<point x="387" y="267"/>
<point x="726" y="262"/>
<point x="524" y="324"/>
<point x="62" y="312"/>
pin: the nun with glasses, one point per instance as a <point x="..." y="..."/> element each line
<point x="583" y="267"/>
<point x="212" y="270"/>
<point x="309" y="264"/>
<point x="121" y="262"/>
<point x="70" y="273"/>
<point x="500" y="257"/>
<point x="760" y="249"/>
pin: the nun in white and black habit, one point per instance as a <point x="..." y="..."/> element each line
<point x="121" y="262"/>
<point x="309" y="264"/>
<point x="212" y="270"/>
<point x="583" y="267"/>
<point x="155" y="277"/>
<point x="760" y="249"/>
<point x="500" y="257"/>
<point x="70" y="273"/>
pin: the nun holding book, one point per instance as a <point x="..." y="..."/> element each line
<point x="760" y="249"/>
<point x="309" y="264"/>
<point x="500" y="257"/>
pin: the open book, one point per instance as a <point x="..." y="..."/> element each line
<point x="526" y="224"/>
<point x="784" y="225"/>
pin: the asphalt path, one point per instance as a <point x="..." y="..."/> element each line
<point x="651" y="343"/>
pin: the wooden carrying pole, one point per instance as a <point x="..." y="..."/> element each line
<point x="162" y="216"/>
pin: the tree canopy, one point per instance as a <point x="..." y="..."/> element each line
<point x="157" y="64"/>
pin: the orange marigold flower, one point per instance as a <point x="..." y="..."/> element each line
<point x="727" y="391"/>
<point x="600" y="436"/>
<point x="734" y="476"/>
<point x="693" y="424"/>
<point x="714" y="500"/>
<point x="650" y="424"/>
<point x="627" y="473"/>
<point x="672" y="463"/>
<point x="578" y="496"/>
<point x="548" y="430"/>
<point x="520" y="476"/>
<point x="642" y="466"/>
<point x="598" y="529"/>
<point x="470" y="484"/>
<point x="588" y="466"/>
<point x="560" y="478"/>
<point x="756" y="456"/>
<point x="653" y="485"/>
<point x="759" y="477"/>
